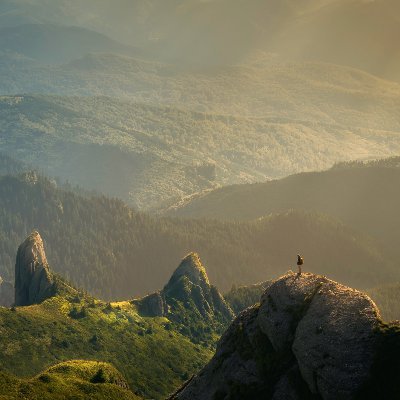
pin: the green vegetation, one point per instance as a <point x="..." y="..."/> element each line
<point x="387" y="298"/>
<point x="242" y="297"/>
<point x="364" y="196"/>
<point x="154" y="358"/>
<point x="68" y="380"/>
<point x="101" y="245"/>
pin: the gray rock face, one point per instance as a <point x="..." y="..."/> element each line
<point x="335" y="341"/>
<point x="33" y="280"/>
<point x="309" y="338"/>
<point x="284" y="305"/>
<point x="153" y="305"/>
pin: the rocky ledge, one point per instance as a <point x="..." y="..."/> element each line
<point x="309" y="337"/>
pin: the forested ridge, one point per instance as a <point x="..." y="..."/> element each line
<point x="104" y="246"/>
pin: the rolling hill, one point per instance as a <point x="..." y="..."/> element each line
<point x="72" y="379"/>
<point x="157" y="146"/>
<point x="52" y="44"/>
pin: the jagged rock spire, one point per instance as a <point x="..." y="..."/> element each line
<point x="33" y="279"/>
<point x="193" y="269"/>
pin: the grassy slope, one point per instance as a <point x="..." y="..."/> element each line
<point x="154" y="358"/>
<point x="101" y="245"/>
<point x="68" y="380"/>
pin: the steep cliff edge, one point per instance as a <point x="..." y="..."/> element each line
<point x="309" y="337"/>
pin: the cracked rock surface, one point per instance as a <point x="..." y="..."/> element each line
<point x="310" y="337"/>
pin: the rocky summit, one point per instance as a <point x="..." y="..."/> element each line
<point x="189" y="285"/>
<point x="309" y="337"/>
<point x="33" y="280"/>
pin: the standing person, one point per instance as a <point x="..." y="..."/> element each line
<point x="300" y="262"/>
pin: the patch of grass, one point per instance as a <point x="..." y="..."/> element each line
<point x="153" y="359"/>
<point x="69" y="380"/>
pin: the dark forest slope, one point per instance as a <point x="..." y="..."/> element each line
<point x="102" y="245"/>
<point x="362" y="195"/>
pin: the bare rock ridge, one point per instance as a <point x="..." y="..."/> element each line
<point x="309" y="337"/>
<point x="34" y="282"/>
<point x="188" y="285"/>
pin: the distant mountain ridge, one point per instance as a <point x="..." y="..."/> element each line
<point x="52" y="44"/>
<point x="226" y="32"/>
<point x="362" y="195"/>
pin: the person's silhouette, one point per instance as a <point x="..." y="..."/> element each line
<point x="300" y="262"/>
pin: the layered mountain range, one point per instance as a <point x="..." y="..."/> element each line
<point x="102" y="245"/>
<point x="214" y="32"/>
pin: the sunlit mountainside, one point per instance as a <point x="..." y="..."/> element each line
<point x="175" y="133"/>
<point x="193" y="95"/>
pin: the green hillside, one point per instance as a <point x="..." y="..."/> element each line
<point x="68" y="380"/>
<point x="103" y="246"/>
<point x="151" y="354"/>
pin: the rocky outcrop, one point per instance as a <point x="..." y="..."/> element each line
<point x="34" y="282"/>
<point x="153" y="305"/>
<point x="194" y="307"/>
<point x="190" y="285"/>
<point x="310" y="337"/>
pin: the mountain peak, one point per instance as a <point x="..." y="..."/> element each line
<point x="193" y="269"/>
<point x="33" y="280"/>
<point x="309" y="336"/>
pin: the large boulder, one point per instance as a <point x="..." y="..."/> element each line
<point x="310" y="337"/>
<point x="34" y="282"/>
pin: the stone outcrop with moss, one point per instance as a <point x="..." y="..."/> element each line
<point x="189" y="300"/>
<point x="310" y="337"/>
